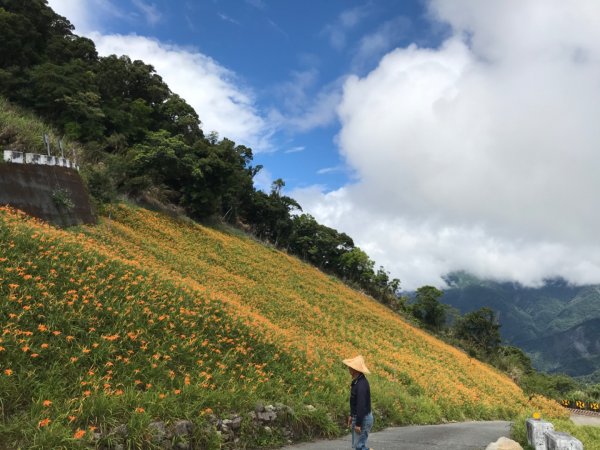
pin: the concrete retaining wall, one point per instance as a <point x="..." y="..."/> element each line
<point x="53" y="193"/>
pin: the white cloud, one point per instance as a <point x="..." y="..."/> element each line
<point x="303" y="106"/>
<point x="296" y="149"/>
<point x="347" y="20"/>
<point x="149" y="11"/>
<point x="333" y="169"/>
<point x="374" y="45"/>
<point x="351" y="17"/>
<point x="277" y="28"/>
<point x="481" y="154"/>
<point x="226" y="18"/>
<point x="258" y="4"/>
<point x="319" y="110"/>
<point x="210" y="88"/>
<point x="263" y="180"/>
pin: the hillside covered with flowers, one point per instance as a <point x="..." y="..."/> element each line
<point x="146" y="317"/>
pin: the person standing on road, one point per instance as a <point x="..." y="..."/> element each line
<point x="361" y="417"/>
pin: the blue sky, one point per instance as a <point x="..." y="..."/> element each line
<point x="440" y="134"/>
<point x="291" y="52"/>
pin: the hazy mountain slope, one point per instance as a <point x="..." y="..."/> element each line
<point x="146" y="317"/>
<point x="582" y="307"/>
<point x="575" y="351"/>
<point x="547" y="322"/>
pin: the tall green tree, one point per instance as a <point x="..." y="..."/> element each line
<point x="270" y="215"/>
<point x="357" y="266"/>
<point x="68" y="96"/>
<point x="428" y="309"/>
<point x="479" y="329"/>
<point x="237" y="185"/>
<point x="318" y="244"/>
<point x="178" y="117"/>
<point x="133" y="100"/>
<point x="19" y="40"/>
<point x="385" y="288"/>
<point x="159" y="161"/>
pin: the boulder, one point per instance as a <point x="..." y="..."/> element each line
<point x="183" y="431"/>
<point x="184" y="445"/>
<point x="213" y="420"/>
<point x="226" y="429"/>
<point x="158" y="430"/>
<point x="235" y="423"/>
<point x="120" y="431"/>
<point x="504" y="444"/>
<point x="266" y="416"/>
<point x="160" y="436"/>
<point x="183" y="428"/>
<point x="117" y="437"/>
<point x="284" y="410"/>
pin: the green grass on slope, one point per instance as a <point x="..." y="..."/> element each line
<point x="24" y="132"/>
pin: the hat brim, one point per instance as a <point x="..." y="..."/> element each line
<point x="357" y="364"/>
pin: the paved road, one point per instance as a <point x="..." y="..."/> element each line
<point x="580" y="419"/>
<point x="454" y="436"/>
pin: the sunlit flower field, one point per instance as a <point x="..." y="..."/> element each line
<point x="145" y="317"/>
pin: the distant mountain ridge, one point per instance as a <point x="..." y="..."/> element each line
<point x="575" y="351"/>
<point x="557" y="324"/>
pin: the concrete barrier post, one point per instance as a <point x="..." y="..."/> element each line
<point x="536" y="430"/>
<point x="32" y="158"/>
<point x="14" y="157"/>
<point x="556" y="440"/>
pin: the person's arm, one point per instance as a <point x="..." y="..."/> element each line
<point x="350" y="414"/>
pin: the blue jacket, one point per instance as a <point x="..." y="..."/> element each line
<point x="360" y="399"/>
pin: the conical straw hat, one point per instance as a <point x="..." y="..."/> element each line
<point x="357" y="363"/>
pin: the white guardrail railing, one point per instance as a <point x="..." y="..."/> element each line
<point x="542" y="436"/>
<point x="35" y="158"/>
